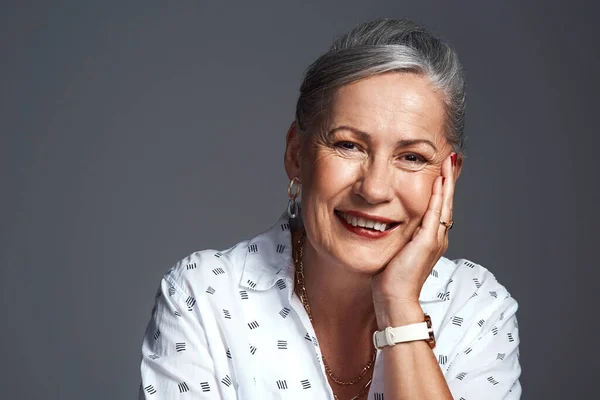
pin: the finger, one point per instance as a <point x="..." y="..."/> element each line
<point x="431" y="219"/>
<point x="447" y="193"/>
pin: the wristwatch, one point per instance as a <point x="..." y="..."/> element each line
<point x="407" y="333"/>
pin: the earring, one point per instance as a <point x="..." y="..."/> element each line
<point x="292" y="208"/>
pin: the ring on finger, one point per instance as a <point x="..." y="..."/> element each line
<point x="448" y="225"/>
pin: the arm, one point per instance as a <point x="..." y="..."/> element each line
<point x="411" y="369"/>
<point x="175" y="355"/>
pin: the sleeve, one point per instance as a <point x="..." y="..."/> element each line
<point x="487" y="365"/>
<point x="175" y="355"/>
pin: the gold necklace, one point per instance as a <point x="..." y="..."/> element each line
<point x="304" y="299"/>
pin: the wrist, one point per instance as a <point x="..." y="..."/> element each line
<point x="399" y="315"/>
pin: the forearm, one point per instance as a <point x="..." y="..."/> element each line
<point x="411" y="369"/>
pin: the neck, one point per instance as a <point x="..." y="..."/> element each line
<point x="339" y="298"/>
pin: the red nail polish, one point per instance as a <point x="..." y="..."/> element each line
<point x="453" y="158"/>
<point x="443" y="180"/>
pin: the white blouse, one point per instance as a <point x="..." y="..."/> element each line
<point x="228" y="325"/>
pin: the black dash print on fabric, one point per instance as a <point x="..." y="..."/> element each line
<point x="285" y="227"/>
<point x="501" y="315"/>
<point x="244" y="295"/>
<point x="474" y="295"/>
<point x="280" y="248"/>
<point x="481" y="322"/>
<point x="253" y="325"/>
<point x="510" y="337"/>
<point x="307" y="337"/>
<point x="226" y="314"/>
<point x="191" y="266"/>
<point x="251" y="284"/>
<point x="469" y="264"/>
<point x="457" y="321"/>
<point x="228" y="352"/>
<point x="153" y="356"/>
<point x="210" y="290"/>
<point x="305" y="384"/>
<point x="281" y="284"/>
<point x="282" y="385"/>
<point x="157" y="334"/>
<point x="218" y="271"/>
<point x="253" y="248"/>
<point x="492" y="380"/>
<point x="190" y="301"/>
<point x="205" y="386"/>
<point x="183" y="387"/>
<point x="378" y="396"/>
<point x="493" y="294"/>
<point x="434" y="273"/>
<point x="177" y="313"/>
<point x="218" y="254"/>
<point x="444" y="296"/>
<point x="495" y="330"/>
<point x="461" y="376"/>
<point x="180" y="347"/>
<point x="252" y="349"/>
<point x="171" y="290"/>
<point x="468" y="350"/>
<point x="500" y="356"/>
<point x="477" y="283"/>
<point x="442" y="360"/>
<point x="285" y="312"/>
<point x="226" y="381"/>
<point x="314" y="340"/>
<point x="150" y="389"/>
<point x="282" y="344"/>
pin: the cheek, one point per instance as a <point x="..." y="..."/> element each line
<point x="415" y="192"/>
<point x="330" y="174"/>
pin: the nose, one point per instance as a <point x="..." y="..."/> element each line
<point x="375" y="182"/>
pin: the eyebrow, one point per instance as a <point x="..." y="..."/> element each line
<point x="366" y="137"/>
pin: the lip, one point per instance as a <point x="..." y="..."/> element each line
<point x="365" y="232"/>
<point x="360" y="214"/>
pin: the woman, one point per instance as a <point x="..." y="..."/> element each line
<point x="348" y="297"/>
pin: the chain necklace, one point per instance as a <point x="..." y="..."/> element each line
<point x="304" y="299"/>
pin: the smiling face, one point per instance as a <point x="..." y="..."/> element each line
<point x="381" y="149"/>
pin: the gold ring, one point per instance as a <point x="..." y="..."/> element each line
<point x="448" y="225"/>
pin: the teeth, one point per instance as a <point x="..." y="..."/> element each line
<point x="365" y="223"/>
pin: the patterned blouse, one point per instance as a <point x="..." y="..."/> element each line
<point x="228" y="325"/>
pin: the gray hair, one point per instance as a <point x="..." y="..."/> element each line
<point x="383" y="46"/>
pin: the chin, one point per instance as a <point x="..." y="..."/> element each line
<point x="367" y="261"/>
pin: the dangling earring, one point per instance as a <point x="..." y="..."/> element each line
<point x="292" y="208"/>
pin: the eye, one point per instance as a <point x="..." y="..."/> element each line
<point x="413" y="161"/>
<point x="346" y="145"/>
<point x="413" y="158"/>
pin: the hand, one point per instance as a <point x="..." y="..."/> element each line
<point x="397" y="287"/>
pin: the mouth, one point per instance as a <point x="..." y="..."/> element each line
<point x="370" y="223"/>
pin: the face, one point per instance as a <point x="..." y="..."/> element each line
<point x="381" y="149"/>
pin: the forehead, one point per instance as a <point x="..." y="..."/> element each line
<point x="398" y="105"/>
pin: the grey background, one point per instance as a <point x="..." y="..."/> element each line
<point x="134" y="133"/>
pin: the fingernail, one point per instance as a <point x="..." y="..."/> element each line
<point x="453" y="158"/>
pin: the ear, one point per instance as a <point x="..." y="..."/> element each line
<point x="293" y="147"/>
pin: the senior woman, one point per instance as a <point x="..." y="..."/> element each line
<point x="348" y="296"/>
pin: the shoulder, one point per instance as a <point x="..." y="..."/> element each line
<point x="190" y="274"/>
<point x="255" y="264"/>
<point x="474" y="280"/>
<point x="476" y="297"/>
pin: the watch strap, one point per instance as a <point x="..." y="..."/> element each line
<point x="407" y="333"/>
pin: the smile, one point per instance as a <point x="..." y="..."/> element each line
<point x="362" y="222"/>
